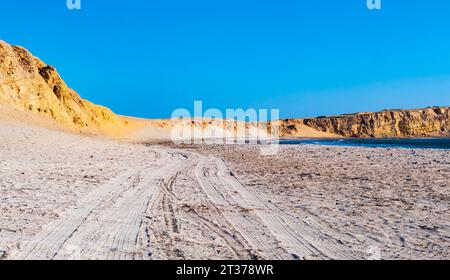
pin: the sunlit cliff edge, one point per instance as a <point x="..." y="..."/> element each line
<point x="29" y="84"/>
<point x="30" y="87"/>
<point x="426" y="122"/>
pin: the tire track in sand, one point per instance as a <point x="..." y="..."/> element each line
<point x="47" y="243"/>
<point x="138" y="213"/>
<point x="105" y="224"/>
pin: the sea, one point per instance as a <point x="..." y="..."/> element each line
<point x="407" y="143"/>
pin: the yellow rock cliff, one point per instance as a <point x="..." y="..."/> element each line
<point x="28" y="84"/>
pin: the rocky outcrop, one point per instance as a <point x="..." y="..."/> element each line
<point x="28" y="84"/>
<point x="295" y="128"/>
<point x="434" y="121"/>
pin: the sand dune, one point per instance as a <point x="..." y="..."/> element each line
<point x="68" y="191"/>
<point x="30" y="85"/>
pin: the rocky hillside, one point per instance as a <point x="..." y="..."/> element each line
<point x="388" y="123"/>
<point x="29" y="84"/>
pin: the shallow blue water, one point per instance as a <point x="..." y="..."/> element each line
<point x="410" y="143"/>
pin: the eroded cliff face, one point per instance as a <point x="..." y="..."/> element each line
<point x="28" y="84"/>
<point x="388" y="123"/>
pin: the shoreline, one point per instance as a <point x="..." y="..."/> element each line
<point x="71" y="196"/>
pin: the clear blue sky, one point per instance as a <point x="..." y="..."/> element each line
<point x="307" y="58"/>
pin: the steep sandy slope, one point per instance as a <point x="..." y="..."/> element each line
<point x="296" y="128"/>
<point x="28" y="84"/>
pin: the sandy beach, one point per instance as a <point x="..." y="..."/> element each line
<point x="353" y="202"/>
<point x="69" y="196"/>
<point x="225" y="130"/>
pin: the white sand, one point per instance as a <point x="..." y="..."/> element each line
<point x="66" y="196"/>
<point x="354" y="202"/>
